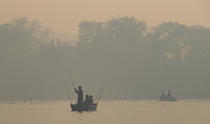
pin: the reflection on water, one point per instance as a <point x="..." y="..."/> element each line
<point x="109" y="112"/>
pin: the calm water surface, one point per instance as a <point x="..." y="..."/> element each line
<point x="109" y="112"/>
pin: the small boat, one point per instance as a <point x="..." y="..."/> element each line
<point x="167" y="97"/>
<point x="80" y="108"/>
<point x="89" y="104"/>
<point x="79" y="105"/>
<point x="26" y="100"/>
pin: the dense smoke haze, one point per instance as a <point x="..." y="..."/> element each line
<point x="121" y="56"/>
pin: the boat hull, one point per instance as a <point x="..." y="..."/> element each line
<point x="168" y="98"/>
<point x="80" y="108"/>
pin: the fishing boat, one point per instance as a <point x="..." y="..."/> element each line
<point x="167" y="97"/>
<point x="89" y="104"/>
<point x="76" y="107"/>
<point x="27" y="100"/>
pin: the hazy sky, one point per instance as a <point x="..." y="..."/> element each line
<point x="64" y="15"/>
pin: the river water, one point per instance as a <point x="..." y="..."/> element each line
<point x="109" y="112"/>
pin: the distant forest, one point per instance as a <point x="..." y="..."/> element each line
<point x="122" y="56"/>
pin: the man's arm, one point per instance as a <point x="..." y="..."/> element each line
<point x="76" y="90"/>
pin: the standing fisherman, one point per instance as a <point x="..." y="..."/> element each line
<point x="80" y="95"/>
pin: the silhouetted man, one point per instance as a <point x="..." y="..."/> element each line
<point x="80" y="95"/>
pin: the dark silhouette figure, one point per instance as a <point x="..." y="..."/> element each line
<point x="86" y="99"/>
<point x="169" y="92"/>
<point x="90" y="100"/>
<point x="167" y="97"/>
<point x="80" y="95"/>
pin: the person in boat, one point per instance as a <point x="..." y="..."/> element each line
<point x="80" y="95"/>
<point x="169" y="92"/>
<point x="90" y="100"/>
<point x="86" y="100"/>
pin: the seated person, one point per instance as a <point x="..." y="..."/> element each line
<point x="86" y="99"/>
<point x="90" y="100"/>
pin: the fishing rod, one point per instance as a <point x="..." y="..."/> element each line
<point x="72" y="88"/>
<point x="72" y="82"/>
<point x="72" y="92"/>
<point x="98" y="98"/>
<point x="67" y="92"/>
